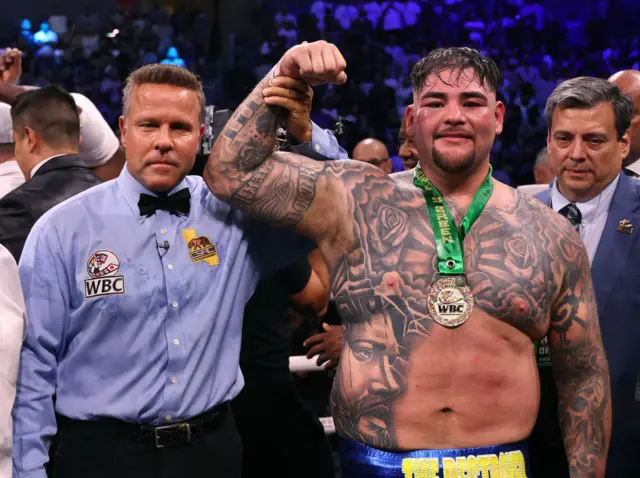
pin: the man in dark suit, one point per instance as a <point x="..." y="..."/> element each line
<point x="629" y="83"/>
<point x="46" y="132"/>
<point x="588" y="138"/>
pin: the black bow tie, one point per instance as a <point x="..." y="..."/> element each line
<point x="176" y="204"/>
<point x="573" y="214"/>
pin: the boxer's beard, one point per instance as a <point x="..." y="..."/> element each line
<point x="456" y="166"/>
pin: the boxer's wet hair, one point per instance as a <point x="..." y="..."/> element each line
<point x="51" y="112"/>
<point x="459" y="59"/>
<point x="161" y="74"/>
<point x="585" y="92"/>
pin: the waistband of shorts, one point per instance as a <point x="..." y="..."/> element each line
<point x="362" y="461"/>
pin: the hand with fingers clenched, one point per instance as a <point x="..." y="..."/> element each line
<point x="315" y="63"/>
<point x="295" y="97"/>
<point x="10" y="66"/>
<point x="327" y="345"/>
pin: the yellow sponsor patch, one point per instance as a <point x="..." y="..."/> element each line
<point x="201" y="249"/>
<point x="505" y="465"/>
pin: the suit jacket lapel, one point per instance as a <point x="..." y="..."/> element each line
<point x="614" y="246"/>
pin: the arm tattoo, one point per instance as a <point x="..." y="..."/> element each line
<point x="280" y="190"/>
<point x="245" y="170"/>
<point x="580" y="367"/>
<point x="245" y="142"/>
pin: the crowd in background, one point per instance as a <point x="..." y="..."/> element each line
<point x="93" y="55"/>
<point x="380" y="41"/>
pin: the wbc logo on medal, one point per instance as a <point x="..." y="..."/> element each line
<point x="450" y="303"/>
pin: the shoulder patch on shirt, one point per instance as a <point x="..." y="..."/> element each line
<point x="201" y="249"/>
<point x="103" y="267"/>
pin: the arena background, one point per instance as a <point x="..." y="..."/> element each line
<point x="230" y="44"/>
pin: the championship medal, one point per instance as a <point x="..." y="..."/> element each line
<point x="450" y="299"/>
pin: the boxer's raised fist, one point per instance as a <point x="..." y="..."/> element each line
<point x="315" y="63"/>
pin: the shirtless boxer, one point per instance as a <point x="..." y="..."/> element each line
<point x="437" y="375"/>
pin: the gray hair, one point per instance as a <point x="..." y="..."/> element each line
<point x="586" y="92"/>
<point x="161" y="74"/>
<point x="541" y="158"/>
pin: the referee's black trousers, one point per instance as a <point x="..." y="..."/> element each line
<point x="104" y="450"/>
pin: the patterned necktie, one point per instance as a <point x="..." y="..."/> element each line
<point x="573" y="214"/>
<point x="176" y="204"/>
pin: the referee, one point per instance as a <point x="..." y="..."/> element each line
<point x="135" y="291"/>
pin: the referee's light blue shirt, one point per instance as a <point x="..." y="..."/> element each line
<point x="118" y="327"/>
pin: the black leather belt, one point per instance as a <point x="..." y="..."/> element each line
<point x="163" y="436"/>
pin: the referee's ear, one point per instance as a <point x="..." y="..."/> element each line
<point x="123" y="131"/>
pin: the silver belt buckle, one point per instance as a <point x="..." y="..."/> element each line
<point x="171" y="427"/>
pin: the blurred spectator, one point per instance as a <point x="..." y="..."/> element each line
<point x="45" y="36"/>
<point x="407" y="152"/>
<point x="374" y="152"/>
<point x="393" y="16"/>
<point x="173" y="58"/>
<point x="88" y="23"/>
<point x="25" y="31"/>
<point x="58" y="21"/>
<point x="542" y="169"/>
<point x="346" y="14"/>
<point x="629" y="82"/>
<point x="10" y="174"/>
<point x="411" y="12"/>
<point x="542" y="173"/>
<point x="320" y="9"/>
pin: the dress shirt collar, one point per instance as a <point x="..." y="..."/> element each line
<point x="590" y="208"/>
<point x="131" y="189"/>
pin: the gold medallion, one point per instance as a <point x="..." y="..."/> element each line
<point x="450" y="300"/>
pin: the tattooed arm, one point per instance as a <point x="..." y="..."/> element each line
<point x="282" y="188"/>
<point x="579" y="365"/>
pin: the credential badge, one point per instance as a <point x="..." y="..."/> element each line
<point x="201" y="249"/>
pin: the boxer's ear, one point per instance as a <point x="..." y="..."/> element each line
<point x="409" y="117"/>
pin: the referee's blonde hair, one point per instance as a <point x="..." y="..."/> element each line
<point x="161" y="74"/>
